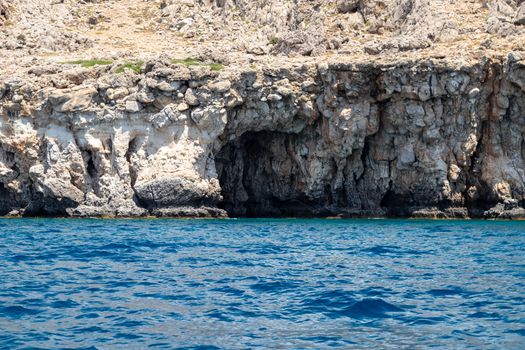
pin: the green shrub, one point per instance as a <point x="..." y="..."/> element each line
<point x="216" y="67"/>
<point x="134" y="66"/>
<point x="188" y="62"/>
<point x="89" y="63"/>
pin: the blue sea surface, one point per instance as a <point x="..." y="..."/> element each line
<point x="272" y="284"/>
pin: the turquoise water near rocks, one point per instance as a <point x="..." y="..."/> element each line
<point x="241" y="284"/>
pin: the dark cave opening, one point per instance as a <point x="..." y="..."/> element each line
<point x="7" y="201"/>
<point x="259" y="178"/>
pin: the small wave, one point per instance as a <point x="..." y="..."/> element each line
<point x="329" y="302"/>
<point x="194" y="260"/>
<point x="145" y="244"/>
<point x="17" y="311"/>
<point x="88" y="315"/>
<point x="381" y="249"/>
<point x="131" y="323"/>
<point x="218" y="315"/>
<point x="53" y="230"/>
<point x="395" y="250"/>
<point x="125" y="284"/>
<point x="64" y="304"/>
<point x="324" y="339"/>
<point x="238" y="263"/>
<point x="517" y="331"/>
<point x="35" y="257"/>
<point x="199" y="347"/>
<point x="273" y="286"/>
<point x="247" y="313"/>
<point x="340" y="303"/>
<point x="481" y="314"/>
<point x="439" y="229"/>
<point x="34" y="302"/>
<point x="229" y="290"/>
<point x="92" y="253"/>
<point x="160" y="346"/>
<point x="268" y="249"/>
<point x="371" y="308"/>
<point x="127" y="336"/>
<point x="376" y="291"/>
<point x="424" y="320"/>
<point x="91" y="329"/>
<point x="160" y="296"/>
<point x="115" y="246"/>
<point x="449" y="291"/>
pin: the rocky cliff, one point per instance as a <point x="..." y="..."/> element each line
<point x="353" y="138"/>
<point x="262" y="108"/>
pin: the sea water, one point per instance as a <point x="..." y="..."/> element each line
<point x="275" y="284"/>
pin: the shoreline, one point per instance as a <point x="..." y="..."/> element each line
<point x="435" y="217"/>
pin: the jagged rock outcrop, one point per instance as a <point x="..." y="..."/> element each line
<point x="5" y="12"/>
<point x="505" y="17"/>
<point x="37" y="25"/>
<point x="303" y="27"/>
<point x="427" y="138"/>
<point x="313" y="27"/>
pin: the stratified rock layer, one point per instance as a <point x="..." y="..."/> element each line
<point x="425" y="138"/>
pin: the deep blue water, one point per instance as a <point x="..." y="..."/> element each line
<point x="279" y="284"/>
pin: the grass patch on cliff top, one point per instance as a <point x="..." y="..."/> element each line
<point x="188" y="62"/>
<point x="216" y="66"/>
<point x="89" y="63"/>
<point x="134" y="66"/>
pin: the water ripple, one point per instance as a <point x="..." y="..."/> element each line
<point x="244" y="284"/>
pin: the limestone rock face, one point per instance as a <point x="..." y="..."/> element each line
<point x="425" y="138"/>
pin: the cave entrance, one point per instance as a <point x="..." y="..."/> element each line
<point x="7" y="202"/>
<point x="260" y="177"/>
